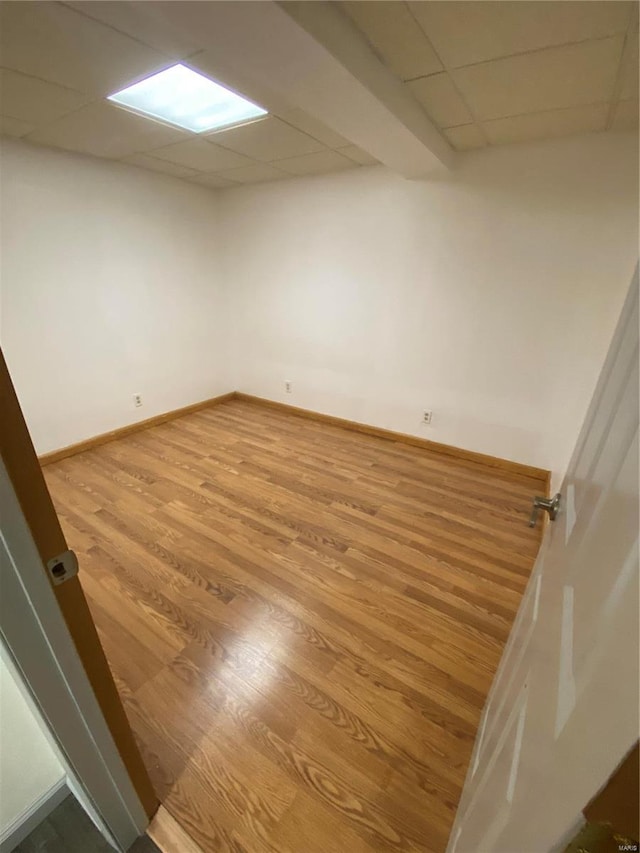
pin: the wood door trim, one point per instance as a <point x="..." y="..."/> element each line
<point x="21" y="462"/>
<point x="446" y="449"/>
<point x="114" y="435"/>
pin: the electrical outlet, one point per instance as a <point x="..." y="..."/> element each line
<point x="288" y="386"/>
<point x="426" y="416"/>
<point x="137" y="400"/>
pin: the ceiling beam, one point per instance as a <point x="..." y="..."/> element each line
<point x="310" y="56"/>
<point x="394" y="128"/>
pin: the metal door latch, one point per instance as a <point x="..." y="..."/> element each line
<point x="63" y="567"/>
<point x="550" y="505"/>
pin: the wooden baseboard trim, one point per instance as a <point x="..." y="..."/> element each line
<point x="379" y="432"/>
<point x="446" y="449"/>
<point x="105" y="437"/>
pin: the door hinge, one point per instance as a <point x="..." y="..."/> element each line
<point x="63" y="567"/>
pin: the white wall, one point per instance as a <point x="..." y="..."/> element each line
<point x="110" y="287"/>
<point x="29" y="767"/>
<point x="488" y="295"/>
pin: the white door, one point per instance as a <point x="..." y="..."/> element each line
<point x="563" y="709"/>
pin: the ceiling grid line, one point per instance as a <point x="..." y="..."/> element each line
<point x="522" y="52"/>
<point x="74" y="8"/>
<point x="615" y="99"/>
<point x="478" y="125"/>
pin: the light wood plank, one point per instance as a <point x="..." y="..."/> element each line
<point x="169" y="836"/>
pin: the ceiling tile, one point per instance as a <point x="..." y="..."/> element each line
<point x="14" y="127"/>
<point x="625" y="116"/>
<point x="105" y="131"/>
<point x="547" y="125"/>
<point x="35" y="101"/>
<point x="314" y="127"/>
<point x="202" y="155"/>
<point x="629" y="69"/>
<point x="395" y="36"/>
<point x="465" y="137"/>
<point x="213" y="181"/>
<point x="254" y="174"/>
<point x="266" y="139"/>
<point x="164" y="166"/>
<point x="358" y="155"/>
<point x="441" y="100"/>
<point x="56" y="43"/>
<point x="141" y="21"/>
<point x="548" y="79"/>
<point x="316" y="164"/>
<point x="468" y="32"/>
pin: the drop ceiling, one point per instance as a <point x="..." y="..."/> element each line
<point x="489" y="73"/>
<point x="469" y="73"/>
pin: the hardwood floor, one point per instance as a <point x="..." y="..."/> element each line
<point x="169" y="836"/>
<point x="303" y="622"/>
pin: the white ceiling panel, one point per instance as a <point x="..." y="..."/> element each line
<point x="549" y="79"/>
<point x="547" y="125"/>
<point x="465" y="137"/>
<point x="105" y="131"/>
<point x="625" y="115"/>
<point x="258" y="173"/>
<point x="35" y="101"/>
<point x="202" y="155"/>
<point x="314" y="127"/>
<point x="467" y="32"/>
<point x="14" y="127"/>
<point x="143" y="21"/>
<point x="156" y="165"/>
<point x="442" y="101"/>
<point x="316" y="164"/>
<point x="392" y="32"/>
<point x="266" y="139"/>
<point x="532" y="70"/>
<point x="56" y="43"/>
<point x="213" y="181"/>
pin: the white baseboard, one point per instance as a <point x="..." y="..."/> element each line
<point x="25" y="823"/>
